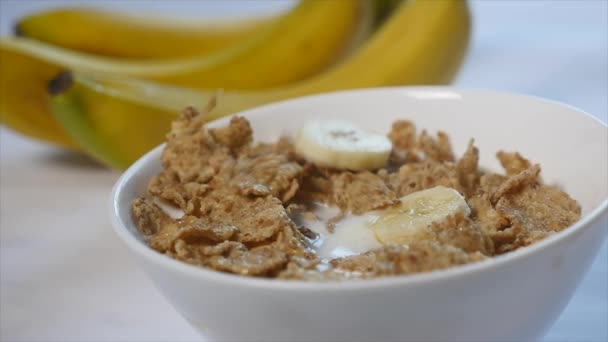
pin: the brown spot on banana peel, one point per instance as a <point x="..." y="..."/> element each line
<point x="18" y="30"/>
<point x="60" y="83"/>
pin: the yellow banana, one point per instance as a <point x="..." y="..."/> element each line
<point x="24" y="97"/>
<point x="28" y="65"/>
<point x="117" y="120"/>
<point x="109" y="33"/>
<point x="309" y="38"/>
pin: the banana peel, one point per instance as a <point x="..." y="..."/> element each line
<point x="113" y="34"/>
<point x="118" y="119"/>
<point x="260" y="62"/>
<point x="24" y="97"/>
<point x="109" y="33"/>
<point x="27" y="65"/>
<point x="99" y="124"/>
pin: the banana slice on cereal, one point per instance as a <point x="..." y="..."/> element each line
<point x="407" y="221"/>
<point x="342" y="145"/>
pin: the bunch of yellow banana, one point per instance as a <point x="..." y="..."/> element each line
<point x="117" y="100"/>
<point x="135" y="36"/>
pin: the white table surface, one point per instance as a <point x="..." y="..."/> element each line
<point x="64" y="276"/>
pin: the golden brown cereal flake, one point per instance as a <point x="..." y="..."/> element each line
<point x="424" y="175"/>
<point x="316" y="188"/>
<point x="332" y="221"/>
<point x="236" y="135"/>
<point x="191" y="153"/>
<point x="148" y="216"/>
<point x="360" y="192"/>
<point x="516" y="237"/>
<point x="191" y="229"/>
<point x="460" y="231"/>
<point x="417" y="257"/>
<point x="438" y="149"/>
<point x="273" y="171"/>
<point x="233" y="257"/>
<point x="284" y="146"/>
<point x="263" y="260"/>
<point x="539" y="208"/>
<point x="485" y="215"/>
<point x="256" y="218"/>
<point x="403" y="135"/>
<point x="467" y="169"/>
<point x="513" y="163"/>
<point x="297" y="208"/>
<point x="403" y="138"/>
<point x="184" y="195"/>
<point x="517" y="182"/>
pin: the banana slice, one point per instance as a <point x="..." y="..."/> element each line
<point x="342" y="145"/>
<point x="408" y="221"/>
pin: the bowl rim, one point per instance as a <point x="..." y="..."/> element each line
<point x="418" y="279"/>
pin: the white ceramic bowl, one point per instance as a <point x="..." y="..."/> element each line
<point x="513" y="297"/>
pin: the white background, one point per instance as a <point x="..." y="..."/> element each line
<point x="64" y="276"/>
